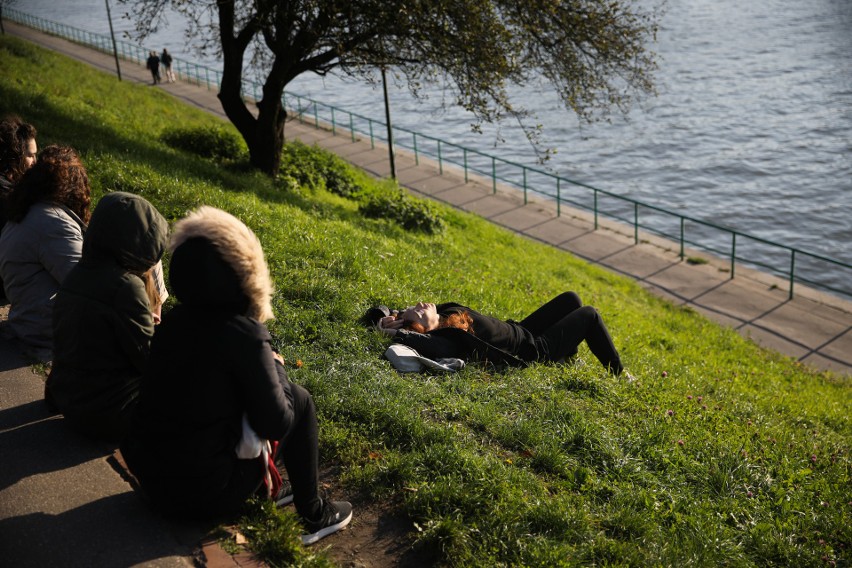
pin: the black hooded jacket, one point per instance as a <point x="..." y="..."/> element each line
<point x="102" y="323"/>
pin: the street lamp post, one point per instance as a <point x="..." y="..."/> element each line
<point x="390" y="128"/>
<point x="114" y="46"/>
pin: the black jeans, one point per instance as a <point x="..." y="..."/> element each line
<point x="299" y="452"/>
<point x="561" y="324"/>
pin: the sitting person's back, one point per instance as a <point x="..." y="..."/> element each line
<point x="42" y="241"/>
<point x="102" y="324"/>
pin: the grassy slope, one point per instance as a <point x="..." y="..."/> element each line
<point x="738" y="456"/>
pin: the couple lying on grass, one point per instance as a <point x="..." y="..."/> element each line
<point x="551" y="334"/>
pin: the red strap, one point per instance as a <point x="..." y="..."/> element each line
<point x="272" y="477"/>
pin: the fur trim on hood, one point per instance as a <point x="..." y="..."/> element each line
<point x="238" y="247"/>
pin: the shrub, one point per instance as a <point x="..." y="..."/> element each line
<point x="213" y="142"/>
<point x="314" y="169"/>
<point x="398" y="207"/>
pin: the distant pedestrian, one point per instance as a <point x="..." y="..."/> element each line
<point x="166" y="60"/>
<point x="154" y="65"/>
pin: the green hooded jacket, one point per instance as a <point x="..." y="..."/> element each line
<point x="102" y="322"/>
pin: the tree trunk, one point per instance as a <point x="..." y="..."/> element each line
<point x="268" y="139"/>
<point x="264" y="135"/>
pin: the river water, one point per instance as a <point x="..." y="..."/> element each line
<point x="751" y="127"/>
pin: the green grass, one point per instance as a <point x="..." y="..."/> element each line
<point x="736" y="457"/>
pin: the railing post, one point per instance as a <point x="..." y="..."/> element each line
<point x="465" y="164"/>
<point x="372" y="140"/>
<point x="792" y="271"/>
<point x="681" y="238"/>
<point x="351" y="127"/>
<point x="733" y="253"/>
<point x="316" y="115"/>
<point x="558" y="196"/>
<point x="635" y="222"/>
<point x="416" y="155"/>
<point x="525" y="184"/>
<point x="493" y="174"/>
<point x="333" y="125"/>
<point x="440" y="160"/>
<point x="596" y="209"/>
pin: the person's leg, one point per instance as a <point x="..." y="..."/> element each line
<point x="299" y="450"/>
<point x="246" y="480"/>
<point x="585" y="323"/>
<point x="551" y="312"/>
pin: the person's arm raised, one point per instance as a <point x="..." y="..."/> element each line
<point x="389" y="325"/>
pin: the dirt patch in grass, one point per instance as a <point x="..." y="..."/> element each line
<point x="378" y="536"/>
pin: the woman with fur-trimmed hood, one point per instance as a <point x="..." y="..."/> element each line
<point x="211" y="365"/>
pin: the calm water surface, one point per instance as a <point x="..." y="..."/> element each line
<point x="751" y="128"/>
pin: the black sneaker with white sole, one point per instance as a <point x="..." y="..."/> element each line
<point x="285" y="494"/>
<point x="335" y="515"/>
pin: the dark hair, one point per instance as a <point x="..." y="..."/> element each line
<point x="15" y="134"/>
<point x="57" y="176"/>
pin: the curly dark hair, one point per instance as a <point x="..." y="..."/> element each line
<point x="57" y="176"/>
<point x="14" y="137"/>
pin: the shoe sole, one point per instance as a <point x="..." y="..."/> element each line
<point x="286" y="500"/>
<point x="322" y="533"/>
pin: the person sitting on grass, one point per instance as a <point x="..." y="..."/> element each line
<point x="42" y="241"/>
<point x="213" y="379"/>
<point x="103" y="317"/>
<point x="18" y="151"/>
<point x="551" y="334"/>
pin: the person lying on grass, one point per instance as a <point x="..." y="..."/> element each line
<point x="551" y="334"/>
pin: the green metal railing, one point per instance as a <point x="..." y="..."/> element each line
<point x="792" y="264"/>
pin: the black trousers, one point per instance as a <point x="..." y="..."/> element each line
<point x="298" y="450"/>
<point x="560" y="325"/>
